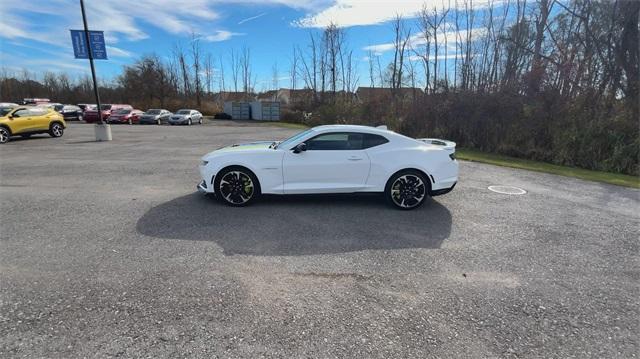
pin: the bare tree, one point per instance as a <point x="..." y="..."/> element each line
<point x="195" y="57"/>
<point x="235" y="69"/>
<point x="245" y="69"/>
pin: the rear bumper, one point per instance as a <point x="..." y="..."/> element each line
<point x="442" y="191"/>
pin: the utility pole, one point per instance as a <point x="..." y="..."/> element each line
<point x="102" y="130"/>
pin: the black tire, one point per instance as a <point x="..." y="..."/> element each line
<point x="56" y="129"/>
<point x="79" y="117"/>
<point x="407" y="189"/>
<point x="159" y="122"/>
<point x="200" y="121"/>
<point x="236" y="186"/>
<point x="130" y="121"/>
<point x="189" y="122"/>
<point x="5" y="134"/>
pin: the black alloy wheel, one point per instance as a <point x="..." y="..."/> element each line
<point x="407" y="190"/>
<point x="236" y="187"/>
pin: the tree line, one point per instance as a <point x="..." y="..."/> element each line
<point x="549" y="80"/>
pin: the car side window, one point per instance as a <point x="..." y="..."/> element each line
<point x="371" y="140"/>
<point x="336" y="141"/>
<point x="37" y="111"/>
<point x="23" y="112"/>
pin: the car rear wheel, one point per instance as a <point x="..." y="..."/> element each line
<point x="158" y="122"/>
<point x="4" y="135"/>
<point x="189" y="122"/>
<point x="407" y="189"/>
<point x="236" y="186"/>
<point x="200" y="121"/>
<point x="56" y="130"/>
<point x="130" y="121"/>
<point x="79" y="117"/>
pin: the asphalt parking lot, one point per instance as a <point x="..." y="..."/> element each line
<point x="107" y="251"/>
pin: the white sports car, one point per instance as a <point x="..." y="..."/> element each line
<point x="333" y="159"/>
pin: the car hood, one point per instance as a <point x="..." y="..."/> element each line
<point x="242" y="147"/>
<point x="179" y="117"/>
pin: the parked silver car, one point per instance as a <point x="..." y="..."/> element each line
<point x="155" y="116"/>
<point x="185" y="117"/>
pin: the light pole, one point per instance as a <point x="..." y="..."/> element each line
<point x="102" y="130"/>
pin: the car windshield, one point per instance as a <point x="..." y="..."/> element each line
<point x="183" y="112"/>
<point x="123" y="111"/>
<point x="293" y="139"/>
<point x="5" y="110"/>
<point x="106" y="107"/>
<point x="153" y="112"/>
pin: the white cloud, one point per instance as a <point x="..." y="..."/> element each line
<point x="221" y="35"/>
<point x="419" y="40"/>
<point x="251" y="18"/>
<point x="440" y="57"/>
<point x="346" y="13"/>
<point x="117" y="52"/>
<point x="117" y="18"/>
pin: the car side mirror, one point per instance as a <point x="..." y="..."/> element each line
<point x="301" y="147"/>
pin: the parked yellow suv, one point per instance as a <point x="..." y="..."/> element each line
<point x="28" y="120"/>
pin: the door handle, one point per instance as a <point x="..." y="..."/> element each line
<point x="355" y="158"/>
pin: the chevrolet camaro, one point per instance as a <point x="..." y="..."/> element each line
<point x="333" y="159"/>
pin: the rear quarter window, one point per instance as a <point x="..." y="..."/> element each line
<point x="371" y="140"/>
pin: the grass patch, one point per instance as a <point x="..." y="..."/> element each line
<point x="506" y="161"/>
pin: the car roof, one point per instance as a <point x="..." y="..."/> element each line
<point x="353" y="128"/>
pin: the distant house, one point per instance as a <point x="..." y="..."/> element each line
<point x="370" y="94"/>
<point x="288" y="96"/>
<point x="271" y="95"/>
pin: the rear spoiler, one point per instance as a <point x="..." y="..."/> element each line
<point x="446" y="145"/>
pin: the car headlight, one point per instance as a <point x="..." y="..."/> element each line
<point x="204" y="163"/>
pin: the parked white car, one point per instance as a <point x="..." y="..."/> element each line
<point x="333" y="159"/>
<point x="185" y="117"/>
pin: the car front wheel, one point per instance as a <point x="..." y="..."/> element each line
<point x="189" y="123"/>
<point x="56" y="130"/>
<point x="407" y="189"/>
<point x="236" y="186"/>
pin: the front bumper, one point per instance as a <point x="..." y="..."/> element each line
<point x="182" y="121"/>
<point x="202" y="187"/>
<point x="117" y="120"/>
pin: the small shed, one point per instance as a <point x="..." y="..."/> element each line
<point x="265" y="110"/>
<point x="239" y="110"/>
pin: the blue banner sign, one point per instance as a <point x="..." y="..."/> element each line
<point x="80" y="49"/>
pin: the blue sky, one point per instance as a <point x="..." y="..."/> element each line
<point x="35" y="34"/>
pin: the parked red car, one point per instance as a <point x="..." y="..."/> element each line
<point x="91" y="115"/>
<point x="125" y="115"/>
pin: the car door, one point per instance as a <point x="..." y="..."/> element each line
<point x="21" y="121"/>
<point x="40" y="118"/>
<point x="332" y="163"/>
